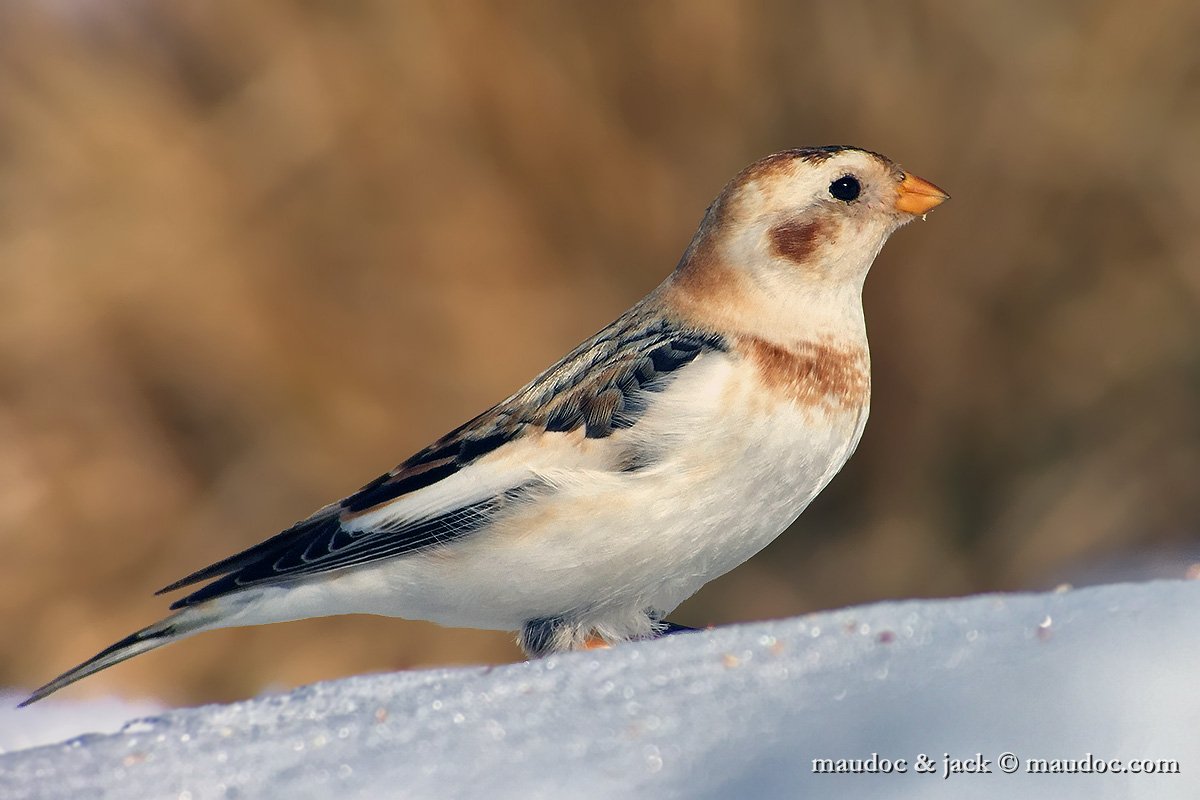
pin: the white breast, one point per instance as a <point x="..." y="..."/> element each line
<point x="744" y="471"/>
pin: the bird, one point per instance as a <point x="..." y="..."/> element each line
<point x="659" y="454"/>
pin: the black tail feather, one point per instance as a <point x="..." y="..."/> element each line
<point x="132" y="645"/>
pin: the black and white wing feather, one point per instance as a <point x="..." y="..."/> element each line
<point x="459" y="483"/>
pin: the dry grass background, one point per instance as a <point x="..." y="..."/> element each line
<point x="253" y="254"/>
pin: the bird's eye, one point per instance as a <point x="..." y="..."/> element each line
<point x="845" y="188"/>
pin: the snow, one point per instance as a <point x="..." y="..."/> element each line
<point x="736" y="712"/>
<point x="56" y="720"/>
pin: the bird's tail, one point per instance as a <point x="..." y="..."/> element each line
<point x="172" y="629"/>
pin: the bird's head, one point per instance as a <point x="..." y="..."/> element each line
<point x="803" y="224"/>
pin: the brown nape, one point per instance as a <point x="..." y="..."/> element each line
<point x="702" y="275"/>
<point x="814" y="373"/>
<point x="796" y="239"/>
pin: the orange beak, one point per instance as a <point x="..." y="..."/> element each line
<point x="919" y="196"/>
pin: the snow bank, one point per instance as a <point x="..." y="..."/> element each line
<point x="737" y="712"/>
<point x="53" y="721"/>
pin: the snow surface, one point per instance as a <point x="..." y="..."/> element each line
<point x="735" y="712"/>
<point x="55" y="720"/>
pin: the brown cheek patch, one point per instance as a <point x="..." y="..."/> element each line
<point x="796" y="240"/>
<point x="813" y="374"/>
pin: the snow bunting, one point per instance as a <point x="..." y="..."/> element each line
<point x="657" y="455"/>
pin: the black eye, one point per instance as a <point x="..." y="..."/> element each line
<point x="845" y="188"/>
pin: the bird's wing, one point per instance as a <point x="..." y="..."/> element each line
<point x="459" y="483"/>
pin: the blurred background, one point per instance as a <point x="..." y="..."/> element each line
<point x="254" y="254"/>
